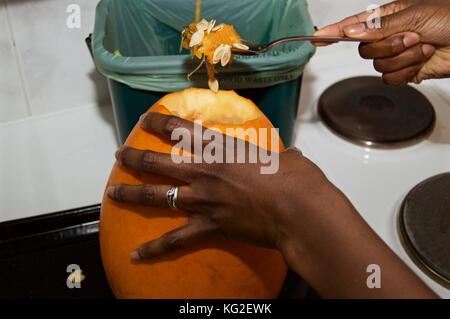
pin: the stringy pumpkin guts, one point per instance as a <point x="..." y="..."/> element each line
<point x="212" y="44"/>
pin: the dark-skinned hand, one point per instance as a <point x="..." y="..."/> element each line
<point x="412" y="44"/>
<point x="295" y="210"/>
<point x="234" y="201"/>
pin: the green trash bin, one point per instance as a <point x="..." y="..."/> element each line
<point x="147" y="34"/>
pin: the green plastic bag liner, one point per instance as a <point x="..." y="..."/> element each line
<point x="147" y="33"/>
<point x="136" y="45"/>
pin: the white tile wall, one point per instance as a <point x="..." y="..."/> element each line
<point x="12" y="100"/>
<point x="329" y="11"/>
<point x="59" y="72"/>
<point x="55" y="162"/>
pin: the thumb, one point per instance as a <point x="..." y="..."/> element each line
<point x="379" y="28"/>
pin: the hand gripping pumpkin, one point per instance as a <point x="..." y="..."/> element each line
<point x="219" y="269"/>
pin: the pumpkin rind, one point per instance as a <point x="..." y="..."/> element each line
<point x="216" y="269"/>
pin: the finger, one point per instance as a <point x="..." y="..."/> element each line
<point x="386" y="27"/>
<point x="389" y="47"/>
<point x="174" y="128"/>
<point x="403" y="76"/>
<point x="150" y="162"/>
<point x="413" y="56"/>
<point x="196" y="136"/>
<point x="150" y="195"/>
<point x="177" y="239"/>
<point x="429" y="71"/>
<point x="421" y="76"/>
<point x="294" y="150"/>
<point x="337" y="29"/>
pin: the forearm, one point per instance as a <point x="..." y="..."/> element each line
<point x="333" y="252"/>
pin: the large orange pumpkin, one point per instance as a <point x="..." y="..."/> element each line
<point x="215" y="269"/>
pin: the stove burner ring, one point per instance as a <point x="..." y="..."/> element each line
<point x="366" y="111"/>
<point x="376" y="103"/>
<point x="424" y="226"/>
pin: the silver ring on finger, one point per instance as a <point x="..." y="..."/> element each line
<point x="172" y="196"/>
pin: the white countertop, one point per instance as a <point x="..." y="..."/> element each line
<point x="375" y="180"/>
<point x="55" y="162"/>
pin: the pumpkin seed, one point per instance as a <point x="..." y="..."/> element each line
<point x="202" y="25"/>
<point x="213" y="85"/>
<point x="226" y="55"/>
<point x="211" y="25"/>
<point x="241" y="46"/>
<point x="218" y="28"/>
<point x="222" y="54"/>
<point x="197" y="38"/>
<point x="75" y="277"/>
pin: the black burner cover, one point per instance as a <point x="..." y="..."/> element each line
<point x="425" y="225"/>
<point x="366" y="110"/>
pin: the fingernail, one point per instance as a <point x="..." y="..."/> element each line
<point x="329" y="30"/>
<point x="428" y="50"/>
<point x="134" y="256"/>
<point x="111" y="191"/>
<point x="411" y="39"/>
<point x="355" y="29"/>
<point x="294" y="149"/>
<point x="117" y="155"/>
<point x="142" y="119"/>
<point x="321" y="32"/>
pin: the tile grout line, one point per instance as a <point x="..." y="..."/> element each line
<point x="55" y="113"/>
<point x="18" y="59"/>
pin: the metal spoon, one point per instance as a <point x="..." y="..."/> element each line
<point x="255" y="49"/>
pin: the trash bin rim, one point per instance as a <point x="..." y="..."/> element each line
<point x="295" y="55"/>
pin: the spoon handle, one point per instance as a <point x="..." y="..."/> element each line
<point x="311" y="38"/>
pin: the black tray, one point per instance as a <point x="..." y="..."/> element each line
<point x="35" y="253"/>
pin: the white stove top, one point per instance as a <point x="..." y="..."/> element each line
<point x="375" y="180"/>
